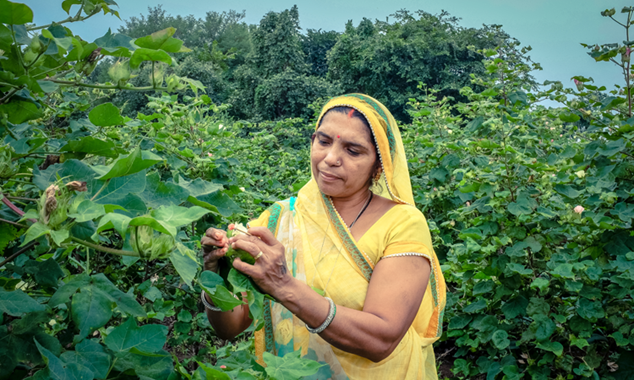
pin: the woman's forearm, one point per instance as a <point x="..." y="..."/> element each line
<point x="357" y="332"/>
<point x="229" y="324"/>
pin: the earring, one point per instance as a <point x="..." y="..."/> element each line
<point x="377" y="177"/>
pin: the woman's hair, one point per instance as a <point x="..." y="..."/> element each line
<point x="353" y="113"/>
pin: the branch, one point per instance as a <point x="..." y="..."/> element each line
<point x="104" y="87"/>
<point x="76" y="18"/>
<point x="104" y="249"/>
<point x="14" y="223"/>
<point x="18" y="253"/>
<point x="13" y="207"/>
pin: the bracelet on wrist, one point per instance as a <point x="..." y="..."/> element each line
<point x="207" y="304"/>
<point x="331" y="315"/>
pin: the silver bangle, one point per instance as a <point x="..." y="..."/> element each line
<point x="207" y="304"/>
<point x="331" y="315"/>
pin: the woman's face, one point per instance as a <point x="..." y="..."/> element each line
<point x="342" y="155"/>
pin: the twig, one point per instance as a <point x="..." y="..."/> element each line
<point x="13" y="207"/>
<point x="104" y="87"/>
<point x="104" y="249"/>
<point x="13" y="223"/>
<point x="22" y="199"/>
<point x="18" y="253"/>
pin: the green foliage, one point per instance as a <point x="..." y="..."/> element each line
<point x="526" y="212"/>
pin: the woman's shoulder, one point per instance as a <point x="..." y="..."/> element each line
<point x="404" y="222"/>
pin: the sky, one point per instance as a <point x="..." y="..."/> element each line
<point x="553" y="28"/>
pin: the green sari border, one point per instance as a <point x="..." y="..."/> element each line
<point x="346" y="239"/>
<point x="274" y="222"/>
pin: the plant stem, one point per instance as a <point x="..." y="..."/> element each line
<point x="76" y="18"/>
<point x="104" y="87"/>
<point x="18" y="253"/>
<point x="103" y="249"/>
<point x="13" y="223"/>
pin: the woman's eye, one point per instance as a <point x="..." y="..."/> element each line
<point x="323" y="142"/>
<point x="353" y="153"/>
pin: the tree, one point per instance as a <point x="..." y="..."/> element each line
<point x="389" y="60"/>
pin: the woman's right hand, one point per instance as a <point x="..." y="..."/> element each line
<point x="215" y="245"/>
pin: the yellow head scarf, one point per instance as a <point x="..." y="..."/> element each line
<point x="387" y="136"/>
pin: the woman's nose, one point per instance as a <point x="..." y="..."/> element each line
<point x="333" y="157"/>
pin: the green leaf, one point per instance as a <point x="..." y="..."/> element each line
<point x="140" y="55"/>
<point x="563" y="270"/>
<point x="459" y="322"/>
<point x="522" y="206"/>
<point x="88" y="210"/>
<point x="159" y="226"/>
<point x="210" y="280"/>
<point x="590" y="310"/>
<point x="224" y="299"/>
<point x="91" y="309"/>
<point x="19" y="111"/>
<point x="624" y="211"/>
<point x="35" y="231"/>
<point x="105" y="115"/>
<point x="554" y="347"/>
<point x="162" y="40"/>
<point x="483" y="287"/>
<point x="199" y="187"/>
<point x="16" y="303"/>
<point x="500" y="339"/>
<point x="289" y="367"/>
<point x="157" y="366"/>
<point x="146" y="338"/>
<point x="161" y="193"/>
<point x="537" y="306"/>
<point x="515" y="307"/>
<point x="218" y="202"/>
<point x="567" y="190"/>
<point x="58" y="370"/>
<point x="476" y="306"/>
<point x="178" y="216"/>
<point x="120" y="191"/>
<point x="474" y="124"/>
<point x="130" y="164"/>
<point x="115" y="44"/>
<point x="211" y="373"/>
<point x="91" y="355"/>
<point x="569" y="117"/>
<point x="91" y="145"/>
<point x="542" y="326"/>
<point x="517" y="250"/>
<point x="518" y="268"/>
<point x="185" y="263"/>
<point x="15" y="13"/>
<point x="46" y="273"/>
<point x="117" y="221"/>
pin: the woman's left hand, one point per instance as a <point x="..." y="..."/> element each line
<point x="270" y="271"/>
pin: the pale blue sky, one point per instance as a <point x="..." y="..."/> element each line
<point x="554" y="28"/>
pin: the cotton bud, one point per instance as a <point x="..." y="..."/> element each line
<point x="453" y="223"/>
<point x="580" y="173"/>
<point x="578" y="209"/>
<point x="579" y="84"/>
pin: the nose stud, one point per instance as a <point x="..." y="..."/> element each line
<point x="338" y="162"/>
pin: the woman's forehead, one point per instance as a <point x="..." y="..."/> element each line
<point x="340" y="124"/>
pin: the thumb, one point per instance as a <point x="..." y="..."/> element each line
<point x="264" y="234"/>
<point x="243" y="267"/>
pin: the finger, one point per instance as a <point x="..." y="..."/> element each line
<point x="264" y="234"/>
<point x="243" y="267"/>
<point x="248" y="246"/>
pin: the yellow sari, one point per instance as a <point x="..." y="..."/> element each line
<point x="321" y="251"/>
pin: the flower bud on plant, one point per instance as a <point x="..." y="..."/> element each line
<point x="233" y="253"/>
<point x="579" y="84"/>
<point x="7" y="167"/>
<point x="580" y="173"/>
<point x="119" y="73"/>
<point x="578" y="209"/>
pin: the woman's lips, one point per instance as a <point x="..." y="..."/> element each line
<point x="328" y="177"/>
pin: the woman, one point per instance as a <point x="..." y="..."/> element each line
<point x="354" y="234"/>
